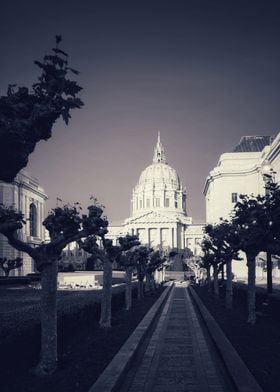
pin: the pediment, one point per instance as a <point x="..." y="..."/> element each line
<point x="158" y="217"/>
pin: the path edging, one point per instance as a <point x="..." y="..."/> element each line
<point x="242" y="378"/>
<point x="113" y="374"/>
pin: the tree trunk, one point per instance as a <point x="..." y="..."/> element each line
<point x="140" y="292"/>
<point x="229" y="285"/>
<point x="128" y="288"/>
<point x="208" y="280"/>
<point x="251" y="264"/>
<point x="148" y="283"/>
<point x="48" y="358"/>
<point x="223" y="273"/>
<point x="105" y="318"/>
<point x="269" y="272"/>
<point x="7" y="273"/>
<point x="216" y="282"/>
<point x="153" y="283"/>
<point x="162" y="275"/>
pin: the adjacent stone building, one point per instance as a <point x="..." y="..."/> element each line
<point x="26" y="195"/>
<point x="240" y="171"/>
<point x="237" y="172"/>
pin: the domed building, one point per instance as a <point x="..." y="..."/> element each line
<point x="159" y="209"/>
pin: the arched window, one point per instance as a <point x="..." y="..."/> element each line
<point x="33" y="220"/>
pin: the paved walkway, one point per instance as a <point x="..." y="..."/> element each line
<point x="178" y="356"/>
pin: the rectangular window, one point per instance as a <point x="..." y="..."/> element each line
<point x="166" y="203"/>
<point x="176" y="204"/>
<point x="234" y="197"/>
<point x="140" y="203"/>
<point x="148" y="203"/>
<point x="157" y="202"/>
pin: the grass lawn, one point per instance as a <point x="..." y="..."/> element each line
<point x="258" y="346"/>
<point x="84" y="349"/>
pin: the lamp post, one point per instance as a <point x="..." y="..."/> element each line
<point x="268" y="178"/>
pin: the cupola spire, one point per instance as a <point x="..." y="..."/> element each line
<point x="159" y="155"/>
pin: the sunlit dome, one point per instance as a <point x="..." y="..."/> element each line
<point x="160" y="173"/>
<point x="159" y="187"/>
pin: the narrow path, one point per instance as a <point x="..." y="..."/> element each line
<point x="178" y="356"/>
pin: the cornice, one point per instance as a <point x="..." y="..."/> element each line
<point x="272" y="155"/>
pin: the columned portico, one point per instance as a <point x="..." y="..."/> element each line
<point x="159" y="205"/>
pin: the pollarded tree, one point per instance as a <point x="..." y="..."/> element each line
<point x="207" y="259"/>
<point x="89" y="246"/>
<point x="103" y="249"/>
<point x="128" y="260"/>
<point x="253" y="233"/>
<point x="27" y="116"/>
<point x="64" y="224"/>
<point x="272" y="206"/>
<point x="143" y="255"/>
<point x="194" y="264"/>
<point x="7" y="265"/>
<point x="209" y="247"/>
<point x="108" y="255"/>
<point x="156" y="259"/>
<point x="224" y="246"/>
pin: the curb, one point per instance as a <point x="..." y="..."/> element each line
<point x="113" y="374"/>
<point x="242" y="378"/>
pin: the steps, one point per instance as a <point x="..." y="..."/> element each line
<point x="174" y="275"/>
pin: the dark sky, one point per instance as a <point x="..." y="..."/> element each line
<point x="204" y="73"/>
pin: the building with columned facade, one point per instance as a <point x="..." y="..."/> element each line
<point x="158" y="213"/>
<point x="159" y="209"/>
<point x="26" y="195"/>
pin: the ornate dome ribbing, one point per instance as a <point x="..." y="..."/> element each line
<point x="159" y="186"/>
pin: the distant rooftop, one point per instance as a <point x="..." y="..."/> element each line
<point x="252" y="143"/>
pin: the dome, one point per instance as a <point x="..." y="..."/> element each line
<point x="159" y="187"/>
<point x="160" y="173"/>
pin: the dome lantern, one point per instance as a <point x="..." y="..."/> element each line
<point x="159" y="155"/>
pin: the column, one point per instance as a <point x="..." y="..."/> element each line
<point x="147" y="237"/>
<point x="172" y="237"/>
<point x="175" y="237"/>
<point x="159" y="237"/>
<point x="182" y="237"/>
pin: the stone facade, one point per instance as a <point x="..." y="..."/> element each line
<point x="26" y="195"/>
<point x="159" y="209"/>
<point x="240" y="172"/>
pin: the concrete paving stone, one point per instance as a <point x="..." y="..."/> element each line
<point x="172" y="389"/>
<point x="173" y="340"/>
<point x="179" y="365"/>
<point x="178" y="349"/>
<point x="177" y="358"/>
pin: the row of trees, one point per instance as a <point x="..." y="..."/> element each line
<point x="26" y="117"/>
<point x="254" y="227"/>
<point x="65" y="225"/>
